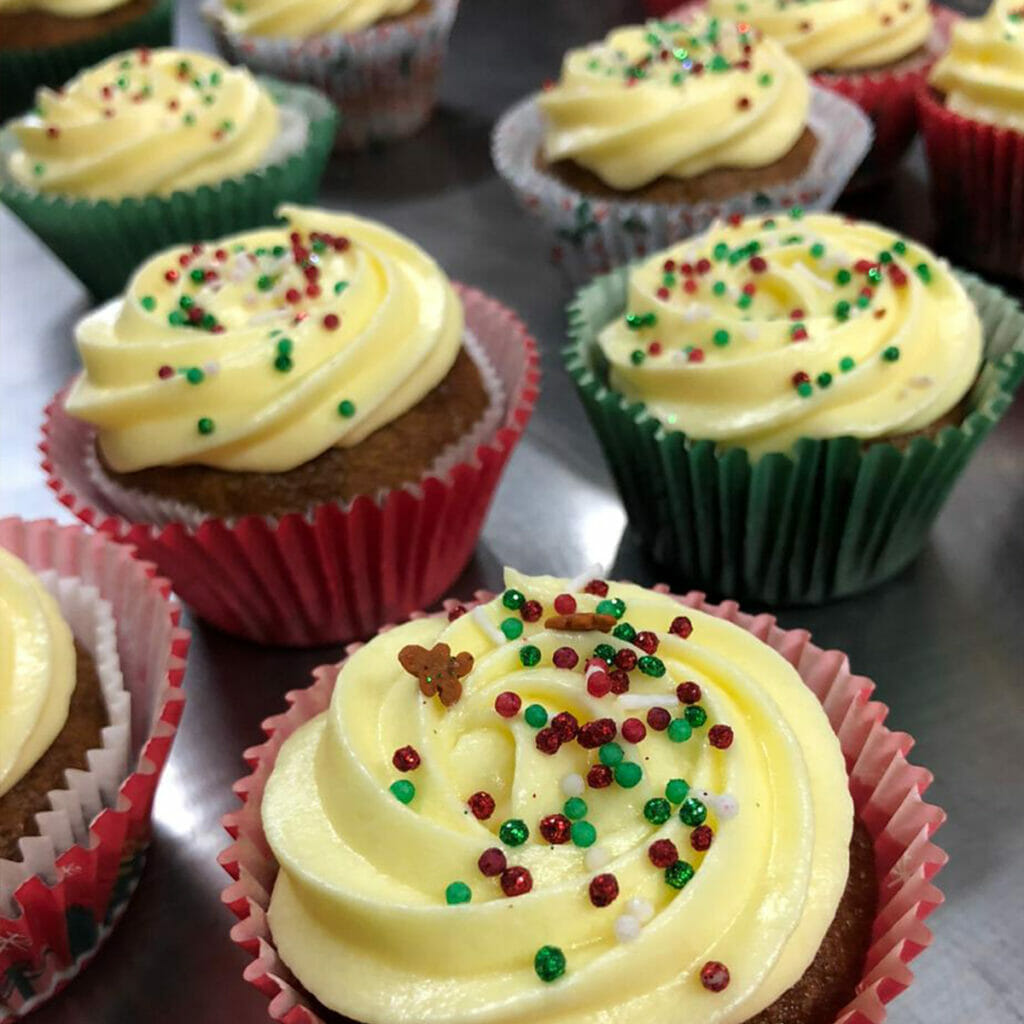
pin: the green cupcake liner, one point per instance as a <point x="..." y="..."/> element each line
<point x="830" y="519"/>
<point x="102" y="242"/>
<point x="24" y="71"/>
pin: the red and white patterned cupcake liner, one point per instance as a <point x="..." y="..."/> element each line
<point x="977" y="183"/>
<point x="339" y="571"/>
<point x="60" y="918"/>
<point x="887" y="794"/>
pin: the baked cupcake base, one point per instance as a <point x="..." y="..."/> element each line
<point x="31" y="29"/>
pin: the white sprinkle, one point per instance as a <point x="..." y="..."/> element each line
<point x="597" y="857"/>
<point x="592" y="572"/>
<point x="487" y="626"/>
<point x="727" y="806"/>
<point x="642" y="910"/>
<point x="818" y="282"/>
<point x="627" y="928"/>
<point x="752" y="331"/>
<point x="212" y="368"/>
<point x="631" y="701"/>
<point x="696" y="311"/>
<point x="573" y="784"/>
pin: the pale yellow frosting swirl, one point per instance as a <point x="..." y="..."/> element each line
<point x="759" y="333"/>
<point x="63" y="8"/>
<point x="300" y="19"/>
<point x="145" y="123"/>
<point x="37" y="670"/>
<point x="359" y="911"/>
<point x="674" y="99"/>
<point x="982" y="75"/>
<point x="837" y="35"/>
<point x="262" y="350"/>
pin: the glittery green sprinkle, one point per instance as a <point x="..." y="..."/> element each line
<point x="624" y="631"/>
<point x="513" y="599"/>
<point x="696" y="715"/>
<point x="513" y="832"/>
<point x="657" y="810"/>
<point x="529" y="655"/>
<point x="677" y="875"/>
<point x="824" y="379"/>
<point x="692" y="812"/>
<point x="636" y="357"/>
<point x="842" y="310"/>
<point x="549" y="963"/>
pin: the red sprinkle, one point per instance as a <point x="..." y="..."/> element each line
<point x="646" y="641"/>
<point x="625" y="659"/>
<point x="681" y="626"/>
<point x="548" y="741"/>
<point x="597" y="587"/>
<point x="658" y="719"/>
<point x="331" y="321"/>
<point x="654" y="348"/>
<point x="516" y="881"/>
<point x="599" y="683"/>
<point x="604" y="889"/>
<point x="758" y="264"/>
<point x="165" y="372"/>
<point x="599" y="776"/>
<point x="714" y="976"/>
<point x="633" y="730"/>
<point x="668" y="266"/>
<point x="492" y="862"/>
<point x="720" y="736"/>
<point x="796" y="314"/>
<point x="293" y="295"/>
<point x="663" y="293"/>
<point x="620" y="681"/>
<point x="457" y="612"/>
<point x="595" y="734"/>
<point x="703" y="264"/>
<point x="565" y="604"/>
<point x="406" y="759"/>
<point x="507" y="704"/>
<point x="696" y="355"/>
<point x="662" y="852"/>
<point x="688" y="692"/>
<point x="555" y="828"/>
<point x="531" y="611"/>
<point x="565" y="726"/>
<point x="482" y="805"/>
<point x="170" y="276"/>
<point x="690" y="286"/>
<point x="700" y="838"/>
<point x="800" y="377"/>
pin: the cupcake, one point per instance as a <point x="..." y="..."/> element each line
<point x="156" y="147"/>
<point x="787" y="402"/>
<point x="972" y="117"/>
<point x="651" y="134"/>
<point x="89" y="702"/>
<point x="874" y="52"/>
<point x="378" y="60"/>
<point x="316" y="395"/>
<point x="44" y="42"/>
<point x="580" y="800"/>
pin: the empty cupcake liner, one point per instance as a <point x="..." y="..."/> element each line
<point x="977" y="186"/>
<point x="342" y="569"/>
<point x="383" y="80"/>
<point x="590" y="235"/>
<point x="887" y="794"/>
<point x="22" y="71"/>
<point x="102" y="242"/>
<point x="56" y="919"/>
<point x="830" y="519"/>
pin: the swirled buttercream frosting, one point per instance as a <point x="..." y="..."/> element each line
<point x="576" y="802"/>
<point x="762" y="331"/>
<point x="674" y="99"/>
<point x="300" y="19"/>
<point x="982" y="75"/>
<point x="837" y="35"/>
<point x="62" y="8"/>
<point x="262" y="350"/>
<point x="37" y="670"/>
<point x="145" y="123"/>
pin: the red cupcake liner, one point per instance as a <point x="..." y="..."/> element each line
<point x="60" y="922"/>
<point x="886" y="790"/>
<point x="977" y="186"/>
<point x="342" y="569"/>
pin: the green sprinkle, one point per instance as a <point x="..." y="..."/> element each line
<point x="194" y="375"/>
<point x="197" y="275"/>
<point x="765" y="80"/>
<point x="39" y="170"/>
<point x="604" y="651"/>
<point x="264" y="282"/>
<point x="536" y="714"/>
<point x="874" y="275"/>
<point x="651" y="666"/>
<point x="614" y="606"/>
<point x="628" y="774"/>
<point x="891" y="354"/>
<point x="514" y="832"/>
<point x="175" y="319"/>
<point x="824" y="379"/>
<point x="529" y="656"/>
<point x="843" y="276"/>
<point x="575" y="808"/>
<point x="657" y="810"/>
<point x="863" y="301"/>
<point x="512" y="628"/>
<point x="549" y="963"/>
<point x="899" y="246"/>
<point x="189" y="119"/>
<point x="583" y="833"/>
<point x="804" y="389"/>
<point x="610" y="754"/>
<point x="186" y="302"/>
<point x="924" y="272"/>
<point x="679" y="730"/>
<point x="720" y="252"/>
<point x="636" y="357"/>
<point x="624" y="631"/>
<point x="796" y="213"/>
<point x="718" y="287"/>
<point x="744" y="300"/>
<point x="676" y="790"/>
<point x="283" y="363"/>
<point x="634" y="321"/>
<point x="885" y="256"/>
<point x="346" y="408"/>
<point x="513" y="600"/>
<point x="693" y="812"/>
<point x="817" y="250"/>
<point x="677" y="875"/>
<point x="696" y="715"/>
<point x="846" y="364"/>
<point x="403" y="790"/>
<point x="842" y="310"/>
<point x="284" y="346"/>
<point x="340" y="286"/>
<point x="148" y="303"/>
<point x="457" y="892"/>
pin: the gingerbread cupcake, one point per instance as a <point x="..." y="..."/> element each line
<point x="379" y="60"/>
<point x="786" y="402"/>
<point x="649" y="135"/>
<point x="300" y="376"/>
<point x="155" y="147"/>
<point x="575" y="799"/>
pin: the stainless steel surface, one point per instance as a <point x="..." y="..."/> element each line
<point x="944" y="641"/>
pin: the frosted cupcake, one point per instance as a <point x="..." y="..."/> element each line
<point x="651" y="134"/>
<point x="155" y="147"/>
<point x="575" y="799"/>
<point x="379" y="60"/>
<point x="972" y="116"/>
<point x="874" y="53"/>
<point x="44" y="42"/>
<point x="786" y="402"/>
<point x="301" y="374"/>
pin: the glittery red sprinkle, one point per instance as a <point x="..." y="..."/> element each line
<point x="597" y="587"/>
<point x="547" y="741"/>
<point x="625" y="659"/>
<point x="491" y="862"/>
<point x="599" y="683"/>
<point x="714" y="976"/>
<point x="700" y="838"/>
<point x="603" y="890"/>
<point x="646" y="641"/>
<point x="565" y="726"/>
<point x="406" y="759"/>
<point x="507" y="704"/>
<point x="555" y="829"/>
<point x="531" y="611"/>
<point x="457" y="612"/>
<point x="720" y="736"/>
<point x="633" y="730"/>
<point x="312" y="272"/>
<point x="688" y="692"/>
<point x="620" y="681"/>
<point x="341" y="243"/>
<point x="599" y="776"/>
<point x="481" y="804"/>
<point x="658" y="719"/>
<point x="681" y="626"/>
<point x="565" y="604"/>
<point x="662" y="852"/>
<point x="516" y="881"/>
<point x="593" y="734"/>
<point x="331" y="321"/>
<point x="758" y="264"/>
<point x="686" y="268"/>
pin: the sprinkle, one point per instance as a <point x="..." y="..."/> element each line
<point x="628" y="774"/>
<point x="575" y="808"/>
<point x="513" y="599"/>
<point x="676" y="790"/>
<point x="535" y="715"/>
<point x="481" y="804"/>
<point x="688" y="692"/>
<point x="720" y="337"/>
<point x="403" y="790"/>
<point x="678" y="874"/>
<point x="720" y="736"/>
<point x="726" y="807"/>
<point x="891" y="354"/>
<point x="714" y="976"/>
<point x="924" y="272"/>
<point x="205" y="425"/>
<point x="346" y="408"/>
<point x="549" y="963"/>
<point x="692" y="812"/>
<point x="583" y="834"/>
<point x="514" y="832"/>
<point x="642" y="910"/>
<point x="662" y="853"/>
<point x="627" y="928"/>
<point x="681" y="626"/>
<point x="679" y="731"/>
<point x="331" y="321"/>
<point x="516" y="881"/>
<point x="657" y="810"/>
<point x="507" y="704"/>
<point x="701" y="838"/>
<point x="603" y="890"/>
<point x="555" y="829"/>
<point x="596" y="858"/>
<point x="406" y="759"/>
<point x="512" y="628"/>
<point x="846" y="364"/>
<point x="491" y="862"/>
<point x="457" y="892"/>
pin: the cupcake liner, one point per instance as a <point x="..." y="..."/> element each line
<point x="158" y="511"/>
<point x="102" y="242"/>
<point x="342" y="569"/>
<point x="886" y="789"/>
<point x="86" y="791"/>
<point x="590" y="235"/>
<point x="61" y="916"/>
<point x="977" y="185"/>
<point x="384" y="80"/>
<point x="22" y="71"/>
<point x="831" y="518"/>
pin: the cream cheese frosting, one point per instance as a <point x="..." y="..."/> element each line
<point x="300" y="19"/>
<point x="62" y="8"/>
<point x="762" y="331"/>
<point x="37" y="670"/>
<point x="262" y="350"/>
<point x="442" y="858"/>
<point x="837" y="35"/>
<point x="982" y="75"/>
<point x="674" y="99"/>
<point x="145" y="123"/>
